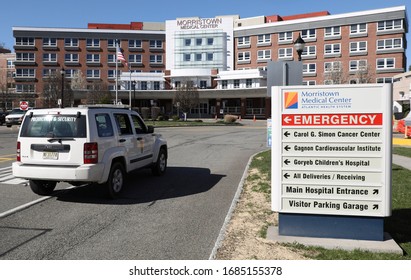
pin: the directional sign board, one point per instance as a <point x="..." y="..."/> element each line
<point x="331" y="150"/>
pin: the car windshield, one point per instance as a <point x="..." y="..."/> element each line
<point x="54" y="126"/>
<point x="17" y="112"/>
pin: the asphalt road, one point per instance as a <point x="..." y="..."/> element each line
<point x="176" y="217"/>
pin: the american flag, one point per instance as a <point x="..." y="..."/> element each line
<point x="120" y="55"/>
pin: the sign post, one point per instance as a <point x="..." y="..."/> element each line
<point x="331" y="160"/>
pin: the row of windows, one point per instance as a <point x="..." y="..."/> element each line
<point x="382" y="80"/>
<point x="354" y="65"/>
<point x="333" y="31"/>
<point x="198" y="42"/>
<point x="354" y="47"/>
<point x="74" y="42"/>
<point x="90" y="58"/>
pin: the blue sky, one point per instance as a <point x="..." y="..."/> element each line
<point x="78" y="13"/>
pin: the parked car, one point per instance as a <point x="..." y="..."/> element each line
<point x="88" y="144"/>
<point x="2" y="117"/>
<point x="15" y="117"/>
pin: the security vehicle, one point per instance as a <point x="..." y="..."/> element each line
<point x="86" y="144"/>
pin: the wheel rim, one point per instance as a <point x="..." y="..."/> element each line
<point x="117" y="180"/>
<point x="162" y="163"/>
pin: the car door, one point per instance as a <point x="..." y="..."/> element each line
<point x="145" y="140"/>
<point x="127" y="140"/>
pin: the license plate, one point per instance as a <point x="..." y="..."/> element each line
<point x="50" y="155"/>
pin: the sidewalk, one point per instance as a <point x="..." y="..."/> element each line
<point x="401" y="160"/>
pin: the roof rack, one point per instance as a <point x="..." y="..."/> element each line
<point x="104" y="106"/>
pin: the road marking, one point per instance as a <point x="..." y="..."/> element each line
<point x="6" y="177"/>
<point x="31" y="203"/>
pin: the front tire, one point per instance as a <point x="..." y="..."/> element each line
<point x="42" y="187"/>
<point x="115" y="181"/>
<point x="159" y="168"/>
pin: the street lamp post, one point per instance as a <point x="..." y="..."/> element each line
<point x="62" y="72"/>
<point x="299" y="44"/>
<point x="134" y="93"/>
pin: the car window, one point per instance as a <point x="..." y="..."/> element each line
<point x="104" y="126"/>
<point x="123" y="124"/>
<point x="53" y="126"/>
<point x="139" y="124"/>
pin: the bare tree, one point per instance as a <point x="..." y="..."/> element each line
<point x="98" y="93"/>
<point x="186" y="96"/>
<point x="334" y="73"/>
<point x="364" y="75"/>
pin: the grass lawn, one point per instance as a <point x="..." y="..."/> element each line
<point x="398" y="225"/>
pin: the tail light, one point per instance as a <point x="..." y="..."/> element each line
<point x="90" y="153"/>
<point x="18" y="158"/>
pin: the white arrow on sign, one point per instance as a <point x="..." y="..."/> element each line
<point x="287" y="119"/>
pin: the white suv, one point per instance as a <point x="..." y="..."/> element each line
<point x="88" y="144"/>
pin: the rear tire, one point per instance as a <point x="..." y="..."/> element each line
<point x="159" y="168"/>
<point x="115" y="181"/>
<point x="42" y="187"/>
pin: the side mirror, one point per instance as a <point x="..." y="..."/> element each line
<point x="150" y="129"/>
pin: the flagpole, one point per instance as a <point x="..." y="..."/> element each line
<point x="129" y="90"/>
<point x="116" y="71"/>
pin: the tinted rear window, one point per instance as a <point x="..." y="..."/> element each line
<point x="53" y="126"/>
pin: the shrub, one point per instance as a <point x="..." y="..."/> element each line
<point x="145" y="113"/>
<point x="230" y="118"/>
<point x="155" y="112"/>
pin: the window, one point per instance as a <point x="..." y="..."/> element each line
<point x="187" y="57"/>
<point x="244" y="41"/>
<point x="134" y="44"/>
<point x="264" y="39"/>
<point x="25" y="57"/>
<point x="243" y="56"/>
<point x="236" y="83"/>
<point x="93" y="73"/>
<point x="20" y="41"/>
<point x="104" y="126"/>
<point x="93" y="58"/>
<point x="385" y="63"/>
<point x="156" y="58"/>
<point x="285" y="36"/>
<point x="332" y="48"/>
<point x="156" y="85"/>
<point x="49" y="72"/>
<point x="203" y="84"/>
<point x="156" y="44"/>
<point x="224" y="84"/>
<point x="264" y="54"/>
<point x="309" y="51"/>
<point x="332" y="66"/>
<point x="187" y="42"/>
<point x="123" y="124"/>
<point x="71" y="57"/>
<point x="93" y="42"/>
<point x="71" y="42"/>
<point x="111" y="43"/>
<point x="49" y="57"/>
<point x="332" y="31"/>
<point x="309" y="83"/>
<point x="358" y="28"/>
<point x="49" y="42"/>
<point x="384" y="80"/>
<point x="111" y="58"/>
<point x="71" y="73"/>
<point x="248" y="83"/>
<point x="112" y="73"/>
<point x="358" y="47"/>
<point x="210" y="41"/>
<point x="143" y="85"/>
<point x="198" y="56"/>
<point x="308" y="34"/>
<point x="135" y="58"/>
<point x="210" y="56"/>
<point x="24" y="88"/>
<point x="356" y="65"/>
<point x="25" y="73"/>
<point x="199" y="41"/>
<point x="390" y="25"/>
<point x="387" y="44"/>
<point x="10" y="63"/>
<point x="285" y="53"/>
<point x="309" y="68"/>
